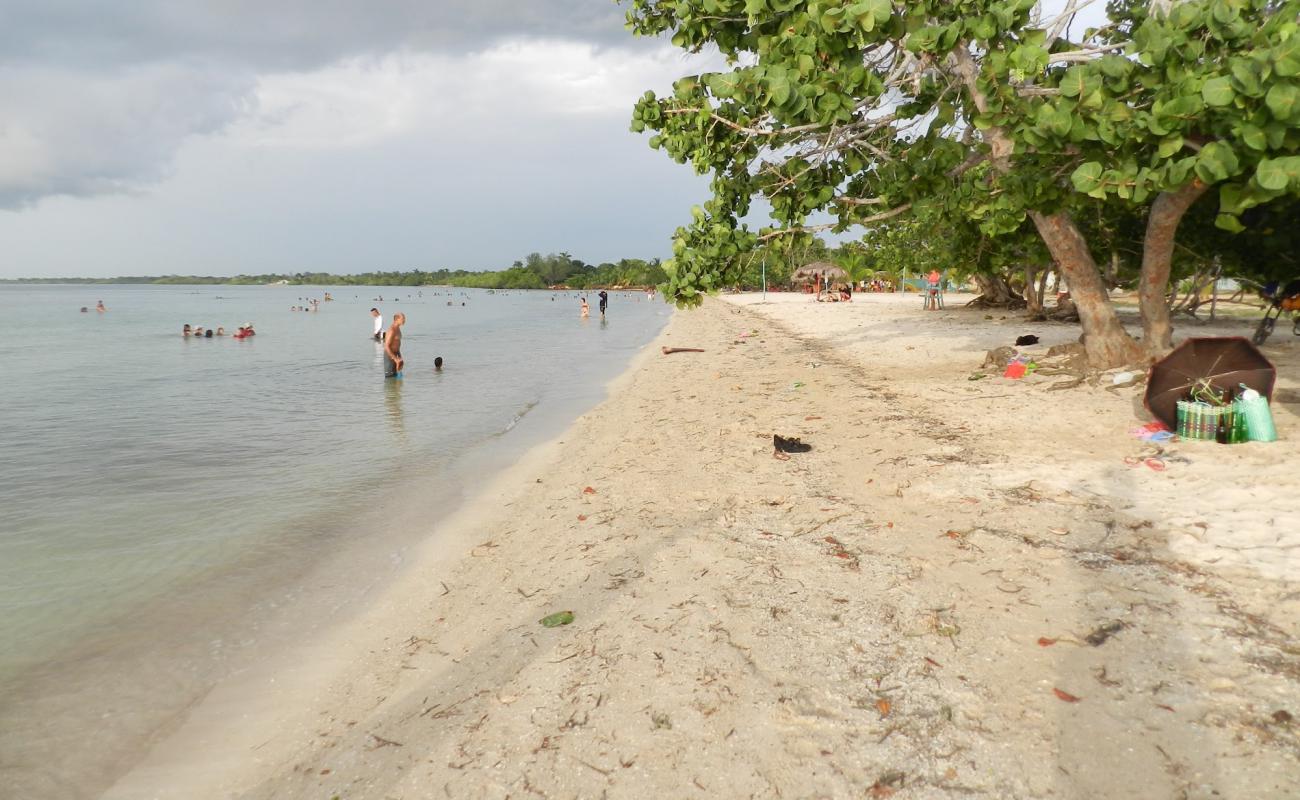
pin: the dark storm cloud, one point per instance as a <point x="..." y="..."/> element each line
<point x="96" y="96"/>
<point x="282" y="34"/>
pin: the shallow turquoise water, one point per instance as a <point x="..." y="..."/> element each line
<point x="140" y="470"/>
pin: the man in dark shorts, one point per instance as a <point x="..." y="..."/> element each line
<point x="604" y="301"/>
<point x="393" y="362"/>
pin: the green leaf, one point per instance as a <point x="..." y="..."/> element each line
<point x="1229" y="223"/>
<point x="557" y="619"/>
<point x="924" y="39"/>
<point x="1282" y="100"/>
<point x="1224" y="12"/>
<point x="1246" y="77"/>
<point x="1169" y="146"/>
<point x="1187" y="16"/>
<point x="723" y="84"/>
<point x="1216" y="162"/>
<point x="1253" y="137"/>
<point x="1218" y="92"/>
<point x="1115" y="66"/>
<point x="1087" y="177"/>
<point x="1276" y="174"/>
<point x="1286" y="57"/>
<point x="778" y="88"/>
<point x="1231" y="198"/>
<point x="1074" y="82"/>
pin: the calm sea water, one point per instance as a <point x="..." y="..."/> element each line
<point x="159" y="494"/>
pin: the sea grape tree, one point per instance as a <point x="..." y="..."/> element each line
<point x="861" y="111"/>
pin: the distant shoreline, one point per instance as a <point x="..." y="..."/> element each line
<point x="238" y="281"/>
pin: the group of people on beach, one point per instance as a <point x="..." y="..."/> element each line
<point x="99" y="306"/>
<point x="199" y="332"/>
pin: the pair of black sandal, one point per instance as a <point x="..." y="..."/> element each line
<point x="793" y="445"/>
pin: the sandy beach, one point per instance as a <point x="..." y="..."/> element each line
<point x="962" y="590"/>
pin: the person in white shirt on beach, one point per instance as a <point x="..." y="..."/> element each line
<point x="379" y="324"/>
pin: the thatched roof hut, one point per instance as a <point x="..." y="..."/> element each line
<point x="828" y="272"/>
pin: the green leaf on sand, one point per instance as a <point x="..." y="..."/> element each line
<point x="557" y="619"/>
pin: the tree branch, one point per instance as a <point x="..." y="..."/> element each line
<point x="800" y="229"/>
<point x="1084" y="55"/>
<point x="743" y="129"/>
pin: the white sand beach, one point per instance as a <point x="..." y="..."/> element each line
<point x="961" y="590"/>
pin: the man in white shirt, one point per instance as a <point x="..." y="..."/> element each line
<point x="379" y="324"/>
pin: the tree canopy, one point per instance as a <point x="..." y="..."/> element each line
<point x="982" y="111"/>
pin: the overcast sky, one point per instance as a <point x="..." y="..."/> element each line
<point x="228" y="136"/>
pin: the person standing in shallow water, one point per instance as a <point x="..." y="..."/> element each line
<point x="379" y="324"/>
<point x="604" y="301"/>
<point x="393" y="362"/>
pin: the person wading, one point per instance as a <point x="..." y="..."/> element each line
<point x="393" y="362"/>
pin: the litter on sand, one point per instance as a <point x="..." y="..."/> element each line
<point x="1152" y="432"/>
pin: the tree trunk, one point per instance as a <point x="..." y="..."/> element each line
<point x="1157" y="261"/>
<point x="1033" y="300"/>
<point x="1104" y="338"/>
<point x="995" y="292"/>
<point x="1042" y="287"/>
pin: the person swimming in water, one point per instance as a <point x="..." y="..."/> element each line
<point x="99" y="306"/>
<point x="437" y="364"/>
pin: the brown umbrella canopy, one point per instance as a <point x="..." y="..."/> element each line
<point x="1225" y="361"/>
<point x="827" y="271"/>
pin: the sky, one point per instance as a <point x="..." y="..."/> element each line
<point x="218" y="137"/>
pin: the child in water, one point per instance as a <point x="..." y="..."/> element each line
<point x="586" y="309"/>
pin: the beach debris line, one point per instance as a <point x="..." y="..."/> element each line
<point x="557" y="619"/>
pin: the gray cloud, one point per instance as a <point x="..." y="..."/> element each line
<point x="96" y="96"/>
<point x="283" y="34"/>
<point x="84" y="133"/>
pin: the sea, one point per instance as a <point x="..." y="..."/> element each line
<point x="172" y="508"/>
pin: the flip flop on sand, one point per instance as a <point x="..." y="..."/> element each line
<point x="793" y="445"/>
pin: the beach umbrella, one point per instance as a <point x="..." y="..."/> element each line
<point x="826" y="270"/>
<point x="1224" y="361"/>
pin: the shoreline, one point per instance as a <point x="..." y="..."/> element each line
<point x="220" y="729"/>
<point x="907" y="609"/>
<point x="125" y="680"/>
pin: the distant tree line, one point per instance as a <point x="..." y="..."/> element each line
<point x="536" y="271"/>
